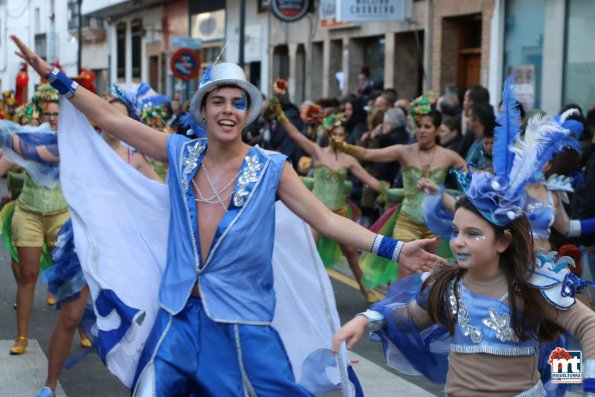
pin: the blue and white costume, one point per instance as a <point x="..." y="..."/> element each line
<point x="234" y="314"/>
<point x="483" y="326"/>
<point x="120" y="221"/>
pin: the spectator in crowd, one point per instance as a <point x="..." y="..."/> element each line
<point x="449" y="106"/>
<point x="392" y="131"/>
<point x="583" y="205"/>
<point x="390" y="94"/>
<point x="481" y="123"/>
<point x="355" y="124"/>
<point x="449" y="132"/>
<point x="174" y="111"/>
<point x="365" y="84"/>
<point x="282" y="142"/>
<point x="475" y="95"/>
<point x="586" y="136"/>
<point x="449" y="137"/>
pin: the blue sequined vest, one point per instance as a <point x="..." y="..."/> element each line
<point x="484" y="325"/>
<point x="236" y="279"/>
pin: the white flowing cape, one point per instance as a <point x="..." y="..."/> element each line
<point x="120" y="220"/>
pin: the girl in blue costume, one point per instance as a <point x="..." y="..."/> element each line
<point x="66" y="280"/>
<point x="213" y="334"/>
<point x="423" y="159"/>
<point x="493" y="309"/>
<point x="330" y="172"/>
<point x="501" y="300"/>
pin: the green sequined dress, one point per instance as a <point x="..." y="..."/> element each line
<point x="329" y="187"/>
<point x="32" y="198"/>
<point x="380" y="271"/>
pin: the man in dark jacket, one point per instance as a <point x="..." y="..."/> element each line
<point x="280" y="140"/>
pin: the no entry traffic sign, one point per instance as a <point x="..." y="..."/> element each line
<point x="185" y="63"/>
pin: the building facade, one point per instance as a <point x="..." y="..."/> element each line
<point x="43" y="26"/>
<point x="443" y="45"/>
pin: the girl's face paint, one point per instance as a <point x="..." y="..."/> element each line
<point x="474" y="242"/>
<point x="241" y="103"/>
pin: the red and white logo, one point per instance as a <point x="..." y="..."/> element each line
<point x="566" y="365"/>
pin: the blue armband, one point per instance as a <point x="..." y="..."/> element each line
<point x="587" y="226"/>
<point x="62" y="83"/>
<point x="387" y="247"/>
<point x="580" y="227"/>
<point x="589" y="376"/>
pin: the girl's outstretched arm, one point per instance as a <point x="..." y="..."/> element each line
<point x="351" y="333"/>
<point x="360" y="173"/>
<point x="101" y="113"/>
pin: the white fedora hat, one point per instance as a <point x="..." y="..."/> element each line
<point x="224" y="74"/>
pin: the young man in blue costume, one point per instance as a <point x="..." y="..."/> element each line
<point x="212" y="335"/>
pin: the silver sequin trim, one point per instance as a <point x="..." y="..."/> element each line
<point x="190" y="162"/>
<point x="248" y="175"/>
<point x="536" y="390"/>
<point x="248" y="389"/>
<point x="493" y="350"/>
<point x="462" y="314"/>
<point x="589" y="369"/>
<point x="500" y="324"/>
<point x="397" y="251"/>
<point x="376" y="244"/>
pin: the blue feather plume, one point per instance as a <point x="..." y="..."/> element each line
<point x="509" y="126"/>
<point x="129" y="98"/>
<point x="543" y="138"/>
<point x="188" y="122"/>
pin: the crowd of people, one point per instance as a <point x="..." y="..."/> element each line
<point x="433" y="178"/>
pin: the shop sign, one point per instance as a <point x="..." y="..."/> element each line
<point x="290" y="10"/>
<point x="186" y="42"/>
<point x="374" y="10"/>
<point x="327" y="15"/>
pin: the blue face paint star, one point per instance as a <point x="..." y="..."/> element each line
<point x="240" y="104"/>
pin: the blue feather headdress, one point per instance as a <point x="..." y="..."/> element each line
<point x="192" y="128"/>
<point x="142" y="97"/>
<point x="500" y="197"/>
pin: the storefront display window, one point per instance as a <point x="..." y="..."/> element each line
<point x="523" y="49"/>
<point x="579" y="65"/>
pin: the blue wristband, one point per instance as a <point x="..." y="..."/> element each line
<point x="589" y="375"/>
<point x="587" y="226"/>
<point x="62" y="83"/>
<point x="387" y="247"/>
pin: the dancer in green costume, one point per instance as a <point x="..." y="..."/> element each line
<point x="40" y="212"/>
<point x="330" y="173"/>
<point x="423" y="159"/>
<point x="26" y="114"/>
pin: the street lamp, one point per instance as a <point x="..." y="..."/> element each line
<point x="242" y="29"/>
<point x="80" y="43"/>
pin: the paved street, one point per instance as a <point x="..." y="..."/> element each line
<point x="22" y="376"/>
